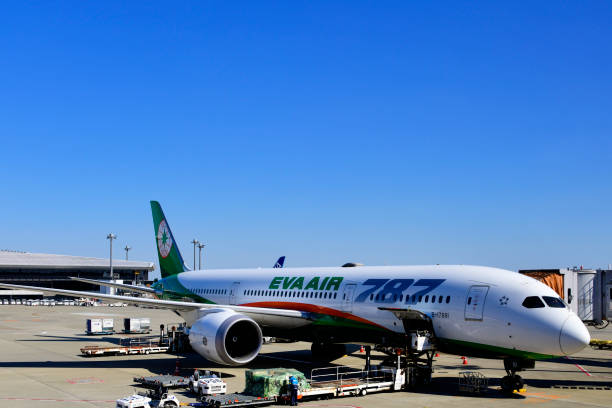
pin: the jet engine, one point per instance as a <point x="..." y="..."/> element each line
<point x="226" y="337"/>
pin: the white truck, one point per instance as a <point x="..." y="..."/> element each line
<point x="141" y="401"/>
<point x="207" y="384"/>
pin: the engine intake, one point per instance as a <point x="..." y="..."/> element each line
<point x="226" y="337"/>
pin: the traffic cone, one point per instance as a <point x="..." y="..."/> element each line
<point x="464" y="361"/>
<point x="177" y="368"/>
<point x="361" y="349"/>
<point x="437" y="355"/>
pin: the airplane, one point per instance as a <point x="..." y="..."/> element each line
<point x="468" y="310"/>
<point x="280" y="262"/>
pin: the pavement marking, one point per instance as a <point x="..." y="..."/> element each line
<point x="87" y="380"/>
<point x="286" y="359"/>
<point x="50" y="400"/>
<point x="327" y="405"/>
<point x="579" y="367"/>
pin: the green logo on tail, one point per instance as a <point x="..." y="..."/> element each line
<point x="170" y="259"/>
<point x="164" y="240"/>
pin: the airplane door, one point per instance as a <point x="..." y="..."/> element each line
<point x="347" y="297"/>
<point x="234" y="293"/>
<point x="474" y="304"/>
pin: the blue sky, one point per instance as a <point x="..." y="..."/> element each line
<point x="385" y="133"/>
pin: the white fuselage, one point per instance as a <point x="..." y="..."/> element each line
<point x="473" y="306"/>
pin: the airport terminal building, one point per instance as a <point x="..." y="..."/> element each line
<point x="54" y="271"/>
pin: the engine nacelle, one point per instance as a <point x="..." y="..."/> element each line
<point x="226" y="337"/>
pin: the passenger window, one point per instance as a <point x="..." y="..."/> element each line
<point x="440" y="299"/>
<point x="554" y="302"/>
<point x="433" y="299"/>
<point x="335" y="295"/>
<point x="426" y="298"/>
<point x="371" y="296"/>
<point x="533" y="302"/>
<point x="420" y="297"/>
<point x="470" y="300"/>
<point x="394" y="297"/>
<point x="447" y="299"/>
<point x="401" y="298"/>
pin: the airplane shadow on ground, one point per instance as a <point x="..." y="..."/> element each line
<point x="93" y="339"/>
<point x="593" y="362"/>
<point x="156" y="366"/>
<point x="449" y="386"/>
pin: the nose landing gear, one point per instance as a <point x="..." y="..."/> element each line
<point x="513" y="382"/>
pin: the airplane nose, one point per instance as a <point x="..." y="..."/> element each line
<point x="574" y="335"/>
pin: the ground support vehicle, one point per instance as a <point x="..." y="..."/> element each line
<point x="331" y="382"/>
<point x="234" y="400"/>
<point x="127" y="346"/>
<point x="164" y="381"/>
<point x="207" y="383"/>
<point x="601" y="344"/>
<point x="146" y="401"/>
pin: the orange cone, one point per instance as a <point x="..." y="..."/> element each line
<point x="361" y="349"/>
<point x="464" y="361"/>
<point x="437" y="355"/>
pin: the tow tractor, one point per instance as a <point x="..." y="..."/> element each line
<point x="207" y="384"/>
<point x="148" y="401"/>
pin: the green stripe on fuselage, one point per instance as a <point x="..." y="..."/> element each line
<point x="461" y="347"/>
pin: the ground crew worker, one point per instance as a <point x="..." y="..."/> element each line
<point x="293" y="388"/>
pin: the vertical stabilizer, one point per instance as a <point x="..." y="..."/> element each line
<point x="280" y="262"/>
<point x="170" y="258"/>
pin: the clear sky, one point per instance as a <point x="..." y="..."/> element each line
<point x="379" y="132"/>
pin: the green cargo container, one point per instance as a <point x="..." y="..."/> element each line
<point x="272" y="382"/>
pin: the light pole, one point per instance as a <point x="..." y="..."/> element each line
<point x="127" y="248"/>
<point x="200" y="246"/>
<point x="110" y="237"/>
<point x="195" y="242"/>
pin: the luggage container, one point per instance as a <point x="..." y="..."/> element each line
<point x="137" y="325"/>
<point x="100" y="326"/>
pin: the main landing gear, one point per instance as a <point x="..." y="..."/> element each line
<point x="513" y="382"/>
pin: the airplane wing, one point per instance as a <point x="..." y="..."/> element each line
<point x="259" y="314"/>
<point x="123" y="286"/>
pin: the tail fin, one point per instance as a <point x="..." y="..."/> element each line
<point x="280" y="262"/>
<point x="170" y="259"/>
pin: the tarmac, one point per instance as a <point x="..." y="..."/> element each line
<point x="41" y="366"/>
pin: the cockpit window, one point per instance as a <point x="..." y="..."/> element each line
<point x="532" y="302"/>
<point x="554" y="302"/>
